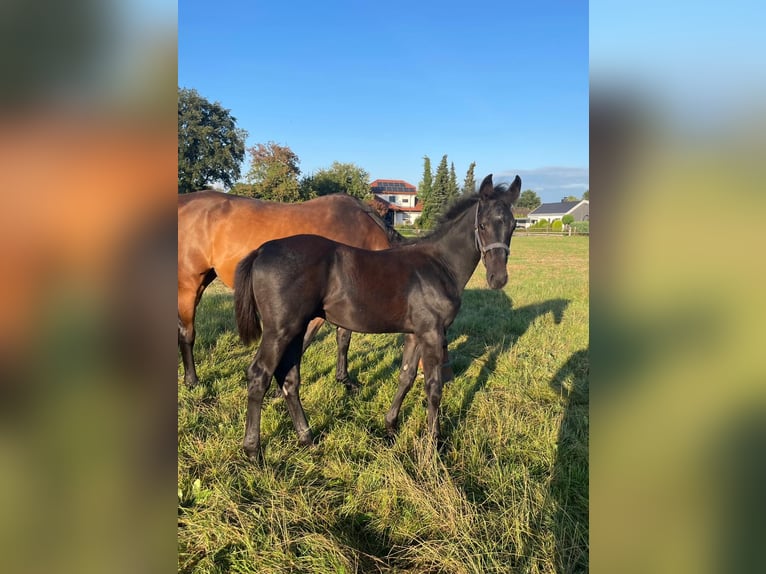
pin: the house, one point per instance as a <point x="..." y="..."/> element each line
<point x="397" y="200"/>
<point x="580" y="210"/>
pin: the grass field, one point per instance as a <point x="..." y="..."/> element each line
<point x="509" y="492"/>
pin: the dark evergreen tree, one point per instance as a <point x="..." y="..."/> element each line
<point x="424" y="194"/>
<point x="469" y="185"/>
<point x="452" y="189"/>
<point x="440" y="191"/>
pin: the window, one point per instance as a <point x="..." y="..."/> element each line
<point x="392" y="198"/>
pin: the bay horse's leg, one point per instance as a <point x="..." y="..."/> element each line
<point x="289" y="378"/>
<point x="407" y="374"/>
<point x="432" y="353"/>
<point x="343" y="337"/>
<point x="189" y="293"/>
<point x="311" y="331"/>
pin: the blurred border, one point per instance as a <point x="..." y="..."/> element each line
<point x="88" y="241"/>
<point x="678" y="401"/>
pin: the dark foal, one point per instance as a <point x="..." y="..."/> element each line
<point x="216" y="230"/>
<point x="414" y="288"/>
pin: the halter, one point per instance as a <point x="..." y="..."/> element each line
<point x="479" y="245"/>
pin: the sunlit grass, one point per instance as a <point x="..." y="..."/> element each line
<point x="508" y="493"/>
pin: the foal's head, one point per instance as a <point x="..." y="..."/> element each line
<point x="494" y="226"/>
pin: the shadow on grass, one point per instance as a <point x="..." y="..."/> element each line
<point x="488" y="320"/>
<point x="569" y="484"/>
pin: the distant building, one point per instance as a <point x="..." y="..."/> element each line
<point x="580" y="210"/>
<point x="398" y="200"/>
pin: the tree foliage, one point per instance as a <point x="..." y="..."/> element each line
<point x="452" y="189"/>
<point x="528" y="199"/>
<point x="586" y="194"/>
<point x="571" y="198"/>
<point x="273" y="174"/>
<point x="469" y="184"/>
<point x="440" y="192"/>
<point x="210" y="146"/>
<point x="338" y="178"/>
<point x="424" y="193"/>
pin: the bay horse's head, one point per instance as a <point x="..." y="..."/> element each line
<point x="494" y="226"/>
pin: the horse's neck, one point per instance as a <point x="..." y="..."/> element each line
<point x="457" y="247"/>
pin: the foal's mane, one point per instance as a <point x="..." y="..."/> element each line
<point x="454" y="210"/>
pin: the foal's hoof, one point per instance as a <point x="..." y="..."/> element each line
<point x="305" y="438"/>
<point x="352" y="385"/>
<point x="253" y="454"/>
<point x="391" y="429"/>
<point x="191" y="382"/>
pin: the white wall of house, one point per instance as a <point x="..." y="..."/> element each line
<point x="405" y="200"/>
<point x="400" y="199"/>
<point x="581" y="212"/>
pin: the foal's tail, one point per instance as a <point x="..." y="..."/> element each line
<point x="245" y="307"/>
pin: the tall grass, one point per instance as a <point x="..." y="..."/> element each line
<point x="509" y="492"/>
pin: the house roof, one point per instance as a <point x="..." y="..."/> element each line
<point x="392" y="186"/>
<point x="560" y="208"/>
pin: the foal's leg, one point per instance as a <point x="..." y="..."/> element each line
<point x="407" y="374"/>
<point x="343" y="336"/>
<point x="432" y="351"/>
<point x="258" y="382"/>
<point x="259" y="375"/>
<point x="289" y="379"/>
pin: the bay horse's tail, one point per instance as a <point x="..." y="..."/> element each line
<point x="245" y="307"/>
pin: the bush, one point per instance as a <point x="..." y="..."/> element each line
<point x="557" y="225"/>
<point x="581" y="227"/>
<point x="567" y="219"/>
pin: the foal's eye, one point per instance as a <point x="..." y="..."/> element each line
<point x="481" y="226"/>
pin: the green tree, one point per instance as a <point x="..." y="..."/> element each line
<point x="567" y="219"/>
<point x="273" y="174"/>
<point x="440" y="191"/>
<point x="528" y="199"/>
<point x="452" y="189"/>
<point x="210" y="145"/>
<point x="570" y="198"/>
<point x="586" y="195"/>
<point x="338" y="178"/>
<point x="469" y="185"/>
<point x="424" y="193"/>
<point x="434" y="203"/>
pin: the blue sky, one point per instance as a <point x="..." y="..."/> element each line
<point x="504" y="84"/>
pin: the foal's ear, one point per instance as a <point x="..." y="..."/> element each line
<point x="486" y="188"/>
<point x="514" y="190"/>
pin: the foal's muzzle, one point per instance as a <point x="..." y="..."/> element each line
<point x="495" y="263"/>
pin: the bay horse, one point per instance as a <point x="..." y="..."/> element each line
<point x="216" y="230"/>
<point x="414" y="288"/>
